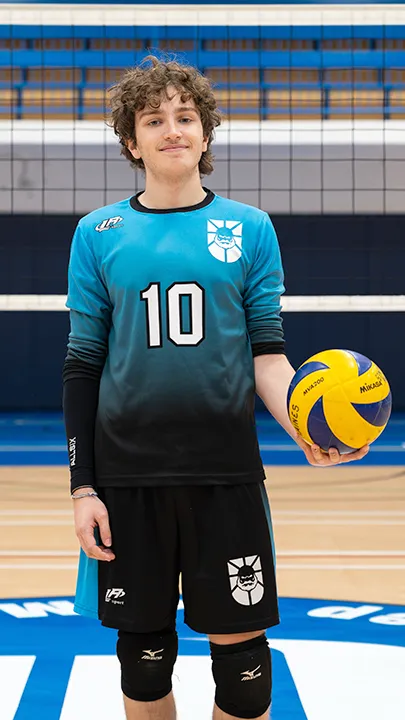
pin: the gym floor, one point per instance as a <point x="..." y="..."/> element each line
<point x="339" y="537"/>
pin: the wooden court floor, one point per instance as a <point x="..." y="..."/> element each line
<point x="339" y="532"/>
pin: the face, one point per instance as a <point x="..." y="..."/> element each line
<point x="169" y="139"/>
<point x="247" y="579"/>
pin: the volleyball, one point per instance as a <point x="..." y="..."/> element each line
<point x="339" y="398"/>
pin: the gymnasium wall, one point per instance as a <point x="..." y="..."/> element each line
<point x="322" y="254"/>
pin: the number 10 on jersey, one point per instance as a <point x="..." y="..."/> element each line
<point x="182" y="299"/>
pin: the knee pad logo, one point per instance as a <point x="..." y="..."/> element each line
<point x="251" y="674"/>
<point x="246" y="579"/>
<point x="152" y="654"/>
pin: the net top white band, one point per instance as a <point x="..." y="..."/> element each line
<point x="211" y="15"/>
<point x="292" y="303"/>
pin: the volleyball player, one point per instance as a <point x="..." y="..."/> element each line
<point x="174" y="298"/>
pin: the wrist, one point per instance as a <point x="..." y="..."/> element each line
<point x="82" y="489"/>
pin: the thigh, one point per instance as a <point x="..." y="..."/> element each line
<point x="138" y="591"/>
<point x="228" y="574"/>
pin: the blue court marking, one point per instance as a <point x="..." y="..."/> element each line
<point x="39" y="439"/>
<point x="55" y="640"/>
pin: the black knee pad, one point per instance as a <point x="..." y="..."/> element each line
<point x="242" y="674"/>
<point x="147" y="661"/>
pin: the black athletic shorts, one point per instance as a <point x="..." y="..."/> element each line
<point x="218" y="537"/>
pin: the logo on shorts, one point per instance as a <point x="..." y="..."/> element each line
<point x="113" y="594"/>
<point x="246" y="579"/>
<point x="225" y="239"/>
<point x="152" y="654"/>
<point x="250" y="674"/>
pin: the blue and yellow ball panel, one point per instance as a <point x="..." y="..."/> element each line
<point x="339" y="398"/>
<point x="302" y="373"/>
<point x="318" y="428"/>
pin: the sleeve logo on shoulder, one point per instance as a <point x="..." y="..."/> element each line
<point x="110" y="223"/>
<point x="225" y="239"/>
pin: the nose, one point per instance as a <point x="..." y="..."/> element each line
<point x="172" y="131"/>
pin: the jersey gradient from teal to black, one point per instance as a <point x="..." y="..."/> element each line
<point x="171" y="305"/>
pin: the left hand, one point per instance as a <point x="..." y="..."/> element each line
<point x="318" y="457"/>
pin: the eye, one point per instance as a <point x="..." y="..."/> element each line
<point x="185" y="120"/>
<point x="153" y="123"/>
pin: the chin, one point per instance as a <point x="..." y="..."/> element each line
<point x="177" y="165"/>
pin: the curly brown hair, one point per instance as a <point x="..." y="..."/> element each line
<point x="147" y="84"/>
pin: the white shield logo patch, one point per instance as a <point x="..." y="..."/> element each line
<point x="225" y="239"/>
<point x="246" y="578"/>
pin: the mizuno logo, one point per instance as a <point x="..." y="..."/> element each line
<point x="113" y="594"/>
<point x="109" y="223"/>
<point x="152" y="655"/>
<point x="250" y="674"/>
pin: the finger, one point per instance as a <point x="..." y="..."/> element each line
<point x="90" y="547"/>
<point x="357" y="455"/>
<point x="100" y="553"/>
<point x="104" y="528"/>
<point x="334" y="456"/>
<point x="320" y="457"/>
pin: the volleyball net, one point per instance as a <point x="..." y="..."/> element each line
<point x="313" y="101"/>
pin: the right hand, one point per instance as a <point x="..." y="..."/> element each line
<point x="90" y="512"/>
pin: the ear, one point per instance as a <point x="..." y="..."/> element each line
<point x="133" y="149"/>
<point x="205" y="144"/>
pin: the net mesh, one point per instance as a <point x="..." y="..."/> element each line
<point x="313" y="100"/>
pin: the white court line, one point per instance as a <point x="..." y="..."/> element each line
<point x="351" y="513"/>
<point x="41" y="523"/>
<point x="280" y="566"/>
<point x="39" y="553"/>
<point x="308" y="566"/>
<point x="280" y="553"/>
<point x="278" y="522"/>
<point x="339" y="553"/>
<point x="61" y="566"/>
<point x="354" y="522"/>
<point x="39" y="566"/>
<point x="35" y="512"/>
<point x="306" y="513"/>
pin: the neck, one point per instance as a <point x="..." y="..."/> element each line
<point x="161" y="195"/>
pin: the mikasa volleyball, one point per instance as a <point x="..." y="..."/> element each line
<point x="339" y="398"/>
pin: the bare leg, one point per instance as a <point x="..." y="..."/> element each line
<point x="229" y="640"/>
<point x="220" y="715"/>
<point x="163" y="709"/>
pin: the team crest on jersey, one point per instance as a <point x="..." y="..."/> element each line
<point x="246" y="578"/>
<point x="225" y="239"/>
<point x="110" y="223"/>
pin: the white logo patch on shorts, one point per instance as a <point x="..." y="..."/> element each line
<point x="113" y="595"/>
<point x="246" y="579"/>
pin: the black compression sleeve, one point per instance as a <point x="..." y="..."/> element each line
<point x="81" y="382"/>
<point x="268" y="348"/>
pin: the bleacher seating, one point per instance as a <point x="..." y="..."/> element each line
<point x="269" y="73"/>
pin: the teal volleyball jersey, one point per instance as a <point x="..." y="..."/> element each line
<point x="171" y="306"/>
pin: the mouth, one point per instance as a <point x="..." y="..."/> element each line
<point x="174" y="148"/>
